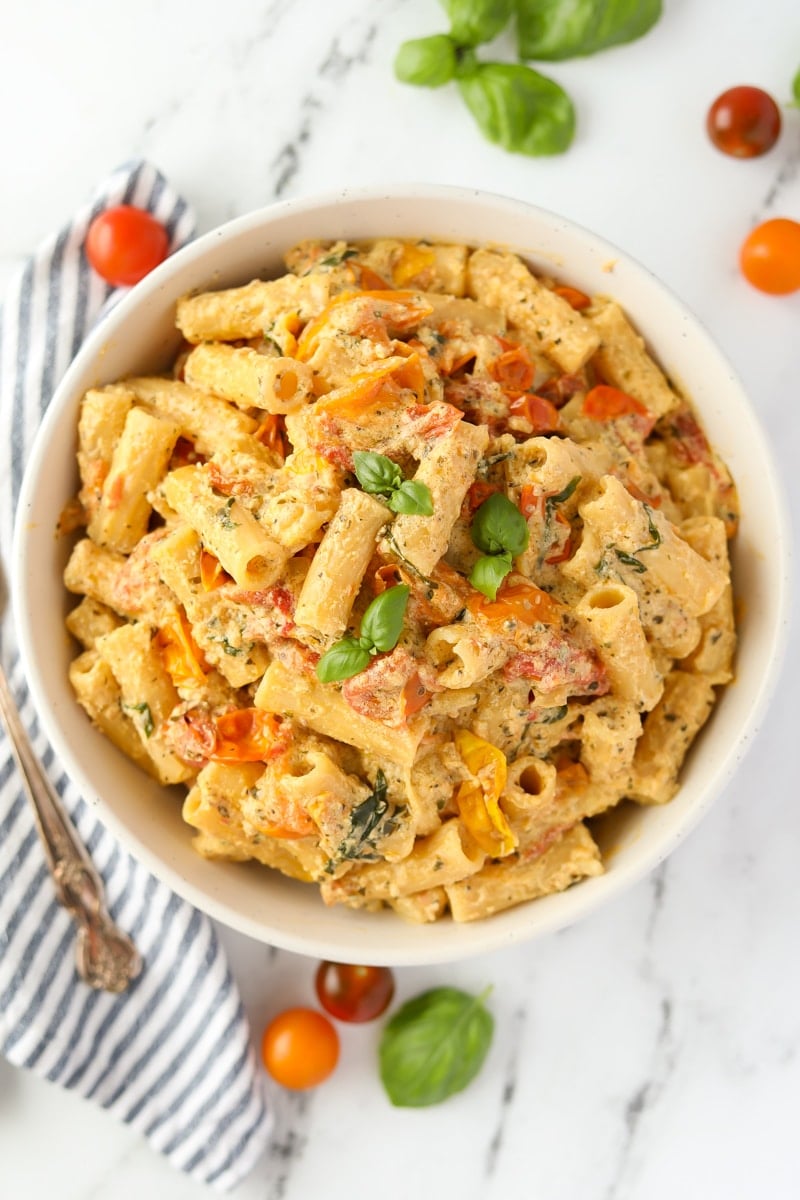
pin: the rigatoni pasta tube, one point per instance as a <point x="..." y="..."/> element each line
<point x="502" y="885"/>
<point x="100" y="426"/>
<point x="668" y="733"/>
<point x="610" y="731"/>
<point x="445" y="856"/>
<point x="447" y="469"/>
<point x="503" y="281"/>
<point x="623" y="361"/>
<point x="713" y="656"/>
<point x="249" y="379"/>
<point x="207" y="421"/>
<point x="138" y="464"/>
<point x="98" y="693"/>
<point x="334" y="577"/>
<point x="90" y="620"/>
<point x="462" y="656"/>
<point x="213" y="807"/>
<point x="92" y="571"/>
<point x="550" y="464"/>
<point x="530" y="790"/>
<point x="248" y="311"/>
<point x="216" y="622"/>
<point x="611" y="612"/>
<point x="148" y="695"/>
<point x="622" y="525"/>
<point x="226" y="528"/>
<point x="321" y="708"/>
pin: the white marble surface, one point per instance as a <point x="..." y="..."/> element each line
<point x="654" y="1050"/>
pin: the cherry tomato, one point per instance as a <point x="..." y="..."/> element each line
<point x="125" y="243"/>
<point x="770" y="256"/>
<point x="744" y="122"/>
<point x="300" y="1048"/>
<point x="353" y="993"/>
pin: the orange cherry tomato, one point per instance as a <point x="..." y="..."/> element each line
<point x="513" y="369"/>
<point x="125" y="243"/>
<point x="744" y="122"/>
<point x="770" y="256"/>
<point x="575" y="298"/>
<point x="605" y="403"/>
<point x="354" y="993"/>
<point x="300" y="1048"/>
<point x="540" y="412"/>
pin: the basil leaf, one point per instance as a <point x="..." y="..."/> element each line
<point x="382" y="623"/>
<point x="489" y="572"/>
<point x="565" y="493"/>
<point x="344" y="659"/>
<point x="796" y="89"/>
<point x="476" y="21"/>
<point x="434" y="1046"/>
<point x="553" y="30"/>
<point x="143" y="709"/>
<point x="630" y="561"/>
<point x="653" y="530"/>
<point x="549" y="716"/>
<point x="371" y="820"/>
<point x="412" y="498"/>
<point x="426" y="62"/>
<point x="499" y="525"/>
<point x="519" y="109"/>
<point x="375" y="472"/>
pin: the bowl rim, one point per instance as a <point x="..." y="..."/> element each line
<point x="484" y="935"/>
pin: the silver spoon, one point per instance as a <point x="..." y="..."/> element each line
<point x="106" y="957"/>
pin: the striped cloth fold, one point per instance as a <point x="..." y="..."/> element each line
<point x="172" y="1056"/>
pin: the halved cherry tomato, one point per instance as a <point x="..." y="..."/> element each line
<point x="248" y="735"/>
<point x="539" y="412"/>
<point x="477" y="492"/>
<point x="520" y="601"/>
<point x="575" y="298"/>
<point x="300" y="1048"/>
<point x="605" y="403"/>
<point x="212" y="573"/>
<point x="272" y="432"/>
<point x="354" y="993"/>
<point x="744" y="122"/>
<point x="369" y="281"/>
<point x="125" y="243"/>
<point x="179" y="651"/>
<point x="770" y="256"/>
<point x="513" y="369"/>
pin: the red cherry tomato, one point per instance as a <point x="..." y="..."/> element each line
<point x="353" y="993"/>
<point x="770" y="256"/>
<point x="744" y="122"/>
<point x="300" y="1048"/>
<point x="125" y="243"/>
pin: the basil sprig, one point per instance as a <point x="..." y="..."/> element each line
<point x="796" y="90"/>
<point x="434" y="1046"/>
<point x="501" y="532"/>
<point x="379" y="476"/>
<point x="381" y="627"/>
<point x="515" y="106"/>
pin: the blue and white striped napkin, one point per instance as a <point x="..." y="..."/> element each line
<point x="171" y="1056"/>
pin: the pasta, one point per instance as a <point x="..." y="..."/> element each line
<point x="313" y="485"/>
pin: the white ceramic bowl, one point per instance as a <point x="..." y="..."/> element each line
<point x="139" y="336"/>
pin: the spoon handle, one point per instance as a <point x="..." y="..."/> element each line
<point x="106" y="958"/>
